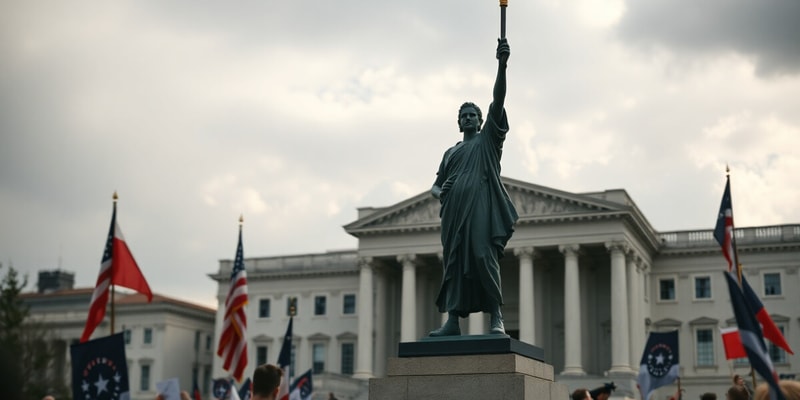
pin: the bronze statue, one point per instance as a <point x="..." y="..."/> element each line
<point x="477" y="214"/>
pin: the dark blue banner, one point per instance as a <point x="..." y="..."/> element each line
<point x="99" y="369"/>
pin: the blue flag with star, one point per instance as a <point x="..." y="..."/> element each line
<point x="100" y="370"/>
<point x="659" y="365"/>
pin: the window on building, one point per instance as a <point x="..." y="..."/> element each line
<point x="349" y="304"/>
<point x="206" y="379"/>
<point x="772" y="284"/>
<point x="318" y="361"/>
<point x="263" y="308"/>
<point x="195" y="377"/>
<point x="777" y="354"/>
<point x="148" y="335"/>
<point x="702" y="287"/>
<point x="705" y="347"/>
<point x="208" y="342"/>
<point x="666" y="289"/>
<point x="144" y="378"/>
<point x="261" y="355"/>
<point x="197" y="340"/>
<point x="348" y="358"/>
<point x="320" y="305"/>
<point x="127" y="335"/>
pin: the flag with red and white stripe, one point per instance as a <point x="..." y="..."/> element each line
<point x="116" y="268"/>
<point x="232" y="342"/>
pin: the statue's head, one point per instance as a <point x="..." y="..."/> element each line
<point x="467" y="106"/>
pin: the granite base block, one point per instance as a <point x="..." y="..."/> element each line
<point x="506" y="376"/>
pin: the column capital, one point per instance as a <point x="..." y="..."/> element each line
<point x="366" y="262"/>
<point x="528" y="251"/>
<point x="407" y="258"/>
<point x="569" y="248"/>
<point x="621" y="246"/>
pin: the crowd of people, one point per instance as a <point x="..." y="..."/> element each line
<point x="740" y="390"/>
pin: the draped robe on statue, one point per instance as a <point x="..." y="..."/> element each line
<point x="477" y="220"/>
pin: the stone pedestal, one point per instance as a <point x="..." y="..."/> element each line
<point x="496" y="369"/>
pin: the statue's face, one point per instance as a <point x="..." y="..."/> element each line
<point x="468" y="120"/>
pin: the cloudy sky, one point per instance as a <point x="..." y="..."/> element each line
<point x="295" y="113"/>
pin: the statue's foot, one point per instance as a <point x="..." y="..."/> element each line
<point x="450" y="328"/>
<point x="496" y="326"/>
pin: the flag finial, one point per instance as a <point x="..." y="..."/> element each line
<point x="115" y="197"/>
<point x="241" y="219"/>
<point x="727" y="170"/>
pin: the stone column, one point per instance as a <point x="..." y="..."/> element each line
<point x="634" y="318"/>
<point x="408" y="306"/>
<point x="477" y="324"/>
<point x="527" y="316"/>
<point x="365" y="320"/>
<point x="620" y="340"/>
<point x="572" y="312"/>
<point x="381" y="312"/>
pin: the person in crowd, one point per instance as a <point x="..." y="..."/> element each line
<point x="737" y="392"/>
<point x="581" y="394"/>
<point x="603" y="392"/>
<point x="790" y="389"/>
<point x="266" y="382"/>
<point x="739" y="381"/>
<point x="708" y="396"/>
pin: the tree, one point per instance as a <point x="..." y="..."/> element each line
<point x="26" y="354"/>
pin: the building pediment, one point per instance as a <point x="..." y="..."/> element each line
<point x="703" y="321"/>
<point x="667" y="323"/>
<point x="533" y="202"/>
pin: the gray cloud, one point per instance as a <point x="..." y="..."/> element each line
<point x="766" y="30"/>
<point x="296" y="113"/>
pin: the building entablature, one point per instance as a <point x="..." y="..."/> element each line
<point x="536" y="206"/>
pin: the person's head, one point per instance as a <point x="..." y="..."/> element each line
<point x="737" y="380"/>
<point x="266" y="382"/>
<point x="469" y="113"/>
<point x="603" y="392"/>
<point x="708" y="396"/>
<point x="790" y="389"/>
<point x="48" y="397"/>
<point x="737" y="392"/>
<point x="581" y="394"/>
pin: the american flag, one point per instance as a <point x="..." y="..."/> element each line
<point x="232" y="343"/>
<point x="723" y="231"/>
<point x="116" y="268"/>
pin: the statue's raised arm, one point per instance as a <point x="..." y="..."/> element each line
<point x="499" y="92"/>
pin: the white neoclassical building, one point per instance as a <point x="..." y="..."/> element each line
<point x="585" y="277"/>
<point x="166" y="338"/>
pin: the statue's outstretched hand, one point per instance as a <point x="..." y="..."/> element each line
<point x="503" y="50"/>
